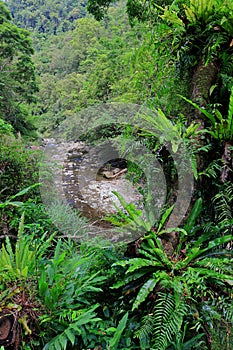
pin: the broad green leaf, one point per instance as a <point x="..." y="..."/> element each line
<point x="128" y="279"/>
<point x="164" y="217"/>
<point x="195" y="212"/>
<point x="117" y="336"/>
<point x="202" y="110"/>
<point x="145" y="290"/>
<point x="138" y="263"/>
<point x="70" y="335"/>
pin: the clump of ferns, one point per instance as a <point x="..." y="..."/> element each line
<point x="181" y="285"/>
<point x="218" y="314"/>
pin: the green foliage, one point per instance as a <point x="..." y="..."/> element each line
<point x="221" y="126"/>
<point x="17" y="75"/>
<point x="158" y="299"/>
<point x="18" y="166"/>
<point x="67" y="220"/>
<point x="47" y="17"/>
<point x="5" y="128"/>
<point x="61" y="341"/>
<point x="169" y="312"/>
<point x="183" y="281"/>
<point x="200" y="10"/>
<point x="102" y="62"/>
<point x="117" y="335"/>
<point x="223" y="206"/>
<point x="19" y="264"/>
<point x="11" y="201"/>
<point x="18" y="170"/>
<point x="179" y="342"/>
<point x="133" y="219"/>
<point x="60" y="280"/>
<point x="68" y="284"/>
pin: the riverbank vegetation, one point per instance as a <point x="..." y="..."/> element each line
<point x="171" y="289"/>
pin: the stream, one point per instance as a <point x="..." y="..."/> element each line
<point x="86" y="183"/>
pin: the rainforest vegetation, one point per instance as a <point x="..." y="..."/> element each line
<point x="171" y="288"/>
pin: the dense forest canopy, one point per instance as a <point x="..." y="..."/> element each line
<point x="46" y="16"/>
<point x="171" y="288"/>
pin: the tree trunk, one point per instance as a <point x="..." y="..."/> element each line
<point x="204" y="77"/>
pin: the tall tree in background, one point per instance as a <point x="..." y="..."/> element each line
<point x="17" y="72"/>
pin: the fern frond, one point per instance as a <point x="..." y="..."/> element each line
<point x="169" y="312"/>
<point x="138" y="263"/>
<point x="230" y="115"/>
<point x="145" y="331"/>
<point x="10" y="253"/>
<point x="157" y="253"/>
<point x="209" y="275"/>
<point x="128" y="279"/>
<point x="225" y="307"/>
<point x="213" y="169"/>
<point x="223" y="202"/>
<point x="113" y="344"/>
<point x="73" y="330"/>
<point x="221" y="265"/>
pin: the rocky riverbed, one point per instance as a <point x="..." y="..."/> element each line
<point x="86" y="181"/>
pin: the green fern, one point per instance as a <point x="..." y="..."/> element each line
<point x="225" y="307"/>
<point x="152" y="244"/>
<point x="145" y="331"/>
<point x="223" y="202"/>
<point x="144" y="291"/>
<point x="17" y="264"/>
<point x="133" y="219"/>
<point x="213" y="169"/>
<point x="169" y="313"/>
<point x="198" y="10"/>
<point x="69" y="335"/>
<point x="218" y="270"/>
<point x="221" y="126"/>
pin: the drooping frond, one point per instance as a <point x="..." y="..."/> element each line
<point x="169" y="312"/>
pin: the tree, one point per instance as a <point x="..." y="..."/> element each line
<point x="17" y="72"/>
